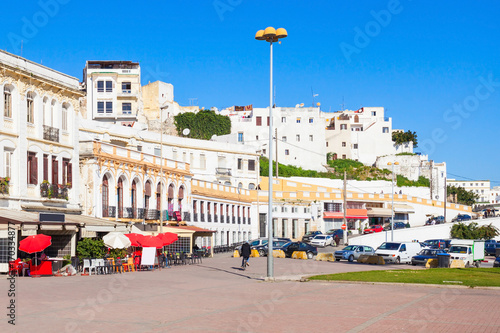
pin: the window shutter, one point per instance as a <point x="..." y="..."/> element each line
<point x="35" y="170"/>
<point x="45" y="167"/>
<point x="70" y="173"/>
<point x="55" y="172"/>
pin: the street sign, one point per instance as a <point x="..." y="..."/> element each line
<point x="344" y="226"/>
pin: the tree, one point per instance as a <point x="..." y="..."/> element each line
<point x="462" y="196"/>
<point x="472" y="231"/>
<point x="90" y="248"/>
<point x="402" y="137"/>
<point x="203" y="124"/>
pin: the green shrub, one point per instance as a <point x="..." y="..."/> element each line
<point x="90" y="248"/>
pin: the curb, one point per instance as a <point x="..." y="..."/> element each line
<point x="452" y="286"/>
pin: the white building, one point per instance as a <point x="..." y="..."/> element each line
<point x="113" y="91"/>
<point x="39" y="150"/>
<point x="361" y="135"/>
<point x="495" y="195"/>
<point x="299" y="131"/>
<point x="479" y="187"/>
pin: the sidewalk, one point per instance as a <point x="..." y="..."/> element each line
<point x="217" y="296"/>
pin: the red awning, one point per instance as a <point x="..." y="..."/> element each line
<point x="350" y="214"/>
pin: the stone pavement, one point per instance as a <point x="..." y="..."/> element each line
<point x="217" y="296"/>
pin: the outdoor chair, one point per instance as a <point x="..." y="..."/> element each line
<point x="197" y="258"/>
<point x="129" y="266"/>
<point x="89" y="264"/>
<point x="13" y="268"/>
<point x="118" y="265"/>
<point x="108" y="266"/>
<point x="101" y="269"/>
<point x="137" y="263"/>
<point x="75" y="262"/>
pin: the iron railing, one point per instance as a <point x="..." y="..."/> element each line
<point x="54" y="191"/>
<point x="50" y="133"/>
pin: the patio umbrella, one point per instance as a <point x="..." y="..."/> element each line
<point x="151" y="241"/>
<point x="168" y="238"/>
<point x="134" y="238"/>
<point x="36" y="243"/>
<point x="116" y="240"/>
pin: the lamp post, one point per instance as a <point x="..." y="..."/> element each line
<point x="392" y="210"/>
<point x="270" y="35"/>
<point x="164" y="107"/>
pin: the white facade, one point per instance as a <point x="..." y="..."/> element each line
<point x="361" y="135"/>
<point x="113" y="91"/>
<point x="479" y="187"/>
<point x="300" y="134"/>
<point x="38" y="136"/>
<point x="495" y="195"/>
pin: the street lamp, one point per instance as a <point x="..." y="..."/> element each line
<point x="270" y="35"/>
<point x="392" y="213"/>
<point x="164" y="107"/>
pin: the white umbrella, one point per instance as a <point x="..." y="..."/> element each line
<point x="116" y="240"/>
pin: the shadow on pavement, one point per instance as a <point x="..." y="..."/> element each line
<point x="233" y="273"/>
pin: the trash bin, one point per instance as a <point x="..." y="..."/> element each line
<point x="443" y="260"/>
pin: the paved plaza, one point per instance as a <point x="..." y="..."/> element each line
<point x="217" y="296"/>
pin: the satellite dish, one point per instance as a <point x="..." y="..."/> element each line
<point x="186" y="131"/>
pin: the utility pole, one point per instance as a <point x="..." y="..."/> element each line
<point x="430" y="178"/>
<point x="345" y="206"/>
<point x="445" y="198"/>
<point x="276" y="135"/>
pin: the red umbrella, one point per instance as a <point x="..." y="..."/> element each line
<point x="168" y="238"/>
<point x="134" y="238"/>
<point x="36" y="243"/>
<point x="151" y="241"/>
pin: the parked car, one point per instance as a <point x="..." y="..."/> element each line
<point x="290" y="247"/>
<point x="253" y="243"/>
<point x="264" y="249"/>
<point x="373" y="228"/>
<point x="352" y="252"/>
<point x="397" y="225"/>
<point x="497" y="262"/>
<point x="438" y="243"/>
<point x="490" y="249"/>
<point x="461" y="217"/>
<point x="398" y="252"/>
<point x="435" y="220"/>
<point x="424" y="255"/>
<point x="322" y="240"/>
<point x="310" y="235"/>
<point x="335" y="232"/>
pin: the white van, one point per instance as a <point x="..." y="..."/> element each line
<point x="398" y="252"/>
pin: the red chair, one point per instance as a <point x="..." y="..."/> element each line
<point x="14" y="268"/>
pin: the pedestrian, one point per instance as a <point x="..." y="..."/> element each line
<point x="245" y="254"/>
<point x="337" y="240"/>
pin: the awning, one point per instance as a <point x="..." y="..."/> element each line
<point x="350" y="214"/>
<point x="402" y="208"/>
<point x="379" y="212"/>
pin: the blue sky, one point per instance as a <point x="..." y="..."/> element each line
<point x="433" y="65"/>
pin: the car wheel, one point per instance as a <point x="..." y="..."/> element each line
<point x="262" y="253"/>
<point x="477" y="264"/>
<point x="414" y="263"/>
<point x="310" y="255"/>
<point x="398" y="260"/>
<point x="467" y="265"/>
<point x="351" y="258"/>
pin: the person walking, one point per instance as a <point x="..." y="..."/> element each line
<point x="245" y="254"/>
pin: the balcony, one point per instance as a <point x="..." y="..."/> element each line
<point x="54" y="191"/>
<point x="187" y="216"/>
<point x="50" y="133"/>
<point x="223" y="171"/>
<point x="195" y="217"/>
<point x="152" y="214"/>
<point x="228" y="219"/>
<point x="4" y="185"/>
<point x="202" y="215"/>
<point x="222" y="218"/>
<point x="234" y="219"/>
<point x="249" y="221"/>
<point x="109" y="211"/>
<point x="209" y="218"/>
<point x="244" y="220"/>
<point x="216" y="218"/>
<point x="239" y="220"/>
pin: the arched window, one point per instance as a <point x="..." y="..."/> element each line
<point x="356" y="119"/>
<point x="105" y="197"/>
<point x="133" y="198"/>
<point x="171" y="189"/>
<point x="181" y="196"/>
<point x="158" y="197"/>
<point x="147" y="195"/>
<point x="64" y="125"/>
<point x="45" y="111"/>
<point x="119" y="189"/>
<point x="7" y="102"/>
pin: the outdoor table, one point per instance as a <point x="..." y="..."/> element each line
<point x="56" y="263"/>
<point x="44" y="268"/>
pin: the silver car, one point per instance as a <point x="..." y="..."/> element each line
<point x="352" y="252"/>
